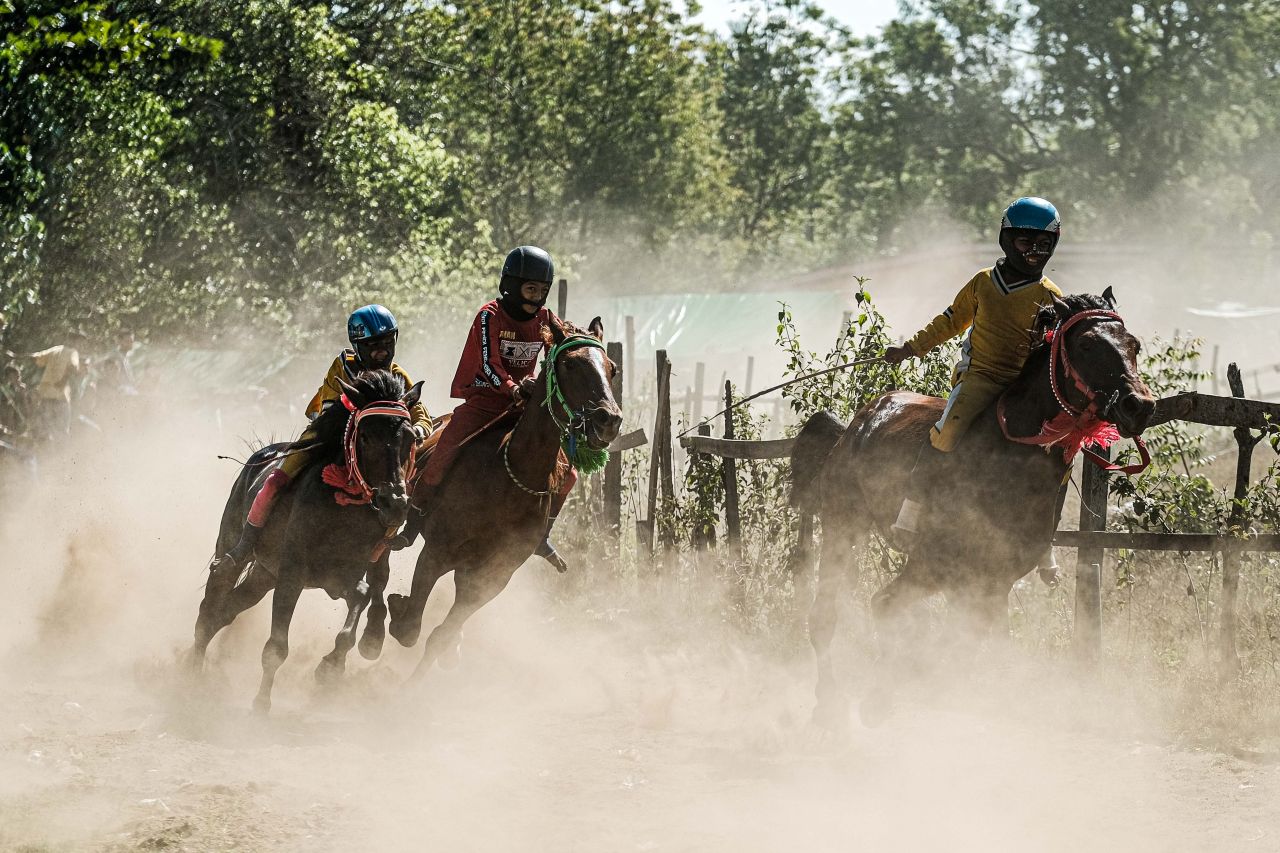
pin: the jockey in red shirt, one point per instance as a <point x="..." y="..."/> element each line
<point x="495" y="376"/>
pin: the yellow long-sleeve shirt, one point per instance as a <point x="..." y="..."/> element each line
<point x="331" y="390"/>
<point x="999" y="319"/>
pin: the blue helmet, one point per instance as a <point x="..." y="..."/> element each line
<point x="372" y="325"/>
<point x="1035" y="218"/>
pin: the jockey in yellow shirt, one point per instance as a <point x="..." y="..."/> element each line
<point x="373" y="333"/>
<point x="997" y="307"/>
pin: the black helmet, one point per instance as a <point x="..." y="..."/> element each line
<point x="524" y="263"/>
<point x="529" y="263"/>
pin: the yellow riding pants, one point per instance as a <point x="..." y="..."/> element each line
<point x="970" y="396"/>
<point x="296" y="460"/>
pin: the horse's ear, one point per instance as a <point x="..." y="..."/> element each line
<point x="352" y="394"/>
<point x="1110" y="297"/>
<point x="596" y="328"/>
<point x="411" y="397"/>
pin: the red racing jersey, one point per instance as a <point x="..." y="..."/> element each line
<point x="499" y="353"/>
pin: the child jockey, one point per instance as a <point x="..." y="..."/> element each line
<point x="373" y="333"/>
<point x="494" y="378"/>
<point x="997" y="307"/>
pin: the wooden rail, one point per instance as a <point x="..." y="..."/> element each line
<point x="734" y="448"/>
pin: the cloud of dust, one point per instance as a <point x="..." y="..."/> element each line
<point x="641" y="725"/>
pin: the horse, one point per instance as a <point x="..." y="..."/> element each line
<point x="995" y="506"/>
<point x="324" y="530"/>
<point x="489" y="513"/>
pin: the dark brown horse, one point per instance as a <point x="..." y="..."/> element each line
<point x="994" y="509"/>
<point x="324" y="529"/>
<point x="488" y="515"/>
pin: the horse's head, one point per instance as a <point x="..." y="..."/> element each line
<point x="380" y="441"/>
<point x="1096" y="363"/>
<point x="580" y="376"/>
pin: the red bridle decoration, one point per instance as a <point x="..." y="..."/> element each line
<point x="353" y="490"/>
<point x="1076" y="429"/>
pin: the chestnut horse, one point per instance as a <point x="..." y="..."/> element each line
<point x="489" y="513"/>
<point x="994" y="508"/>
<point x="323" y="529"/>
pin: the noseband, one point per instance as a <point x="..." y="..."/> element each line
<point x="576" y="421"/>
<point x="353" y="484"/>
<point x="1076" y="428"/>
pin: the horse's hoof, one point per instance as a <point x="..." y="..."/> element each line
<point x="451" y="657"/>
<point x="261" y="705"/>
<point x="330" y="672"/>
<point x="371" y="644"/>
<point x="404" y="630"/>
<point x="876" y="708"/>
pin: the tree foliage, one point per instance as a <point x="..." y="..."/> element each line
<point x="195" y="165"/>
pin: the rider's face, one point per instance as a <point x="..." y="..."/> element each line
<point x="1035" y="248"/>
<point x="379" y="350"/>
<point x="534" y="292"/>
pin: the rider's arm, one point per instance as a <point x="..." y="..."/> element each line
<point x="951" y="322"/>
<point x="490" y="353"/>
<point x="329" y="389"/>
<point x="419" y="417"/>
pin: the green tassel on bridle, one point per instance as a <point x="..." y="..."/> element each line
<point x="586" y="459"/>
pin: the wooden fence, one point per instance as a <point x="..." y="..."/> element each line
<point x="1092" y="540"/>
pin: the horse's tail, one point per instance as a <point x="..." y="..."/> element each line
<point x="813" y="445"/>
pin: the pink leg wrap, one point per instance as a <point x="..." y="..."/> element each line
<point x="277" y="480"/>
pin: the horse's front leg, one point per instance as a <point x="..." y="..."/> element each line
<point x="476" y="586"/>
<point x="274" y="653"/>
<point x="406" y="612"/>
<point x="832" y="709"/>
<point x="376" y="626"/>
<point x="334" y="664"/>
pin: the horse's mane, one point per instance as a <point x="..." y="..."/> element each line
<point x="370" y="385"/>
<point x="1050" y="315"/>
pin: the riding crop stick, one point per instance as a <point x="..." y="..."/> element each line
<point x="858" y="363"/>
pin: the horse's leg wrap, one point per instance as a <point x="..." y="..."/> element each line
<point x="545" y="549"/>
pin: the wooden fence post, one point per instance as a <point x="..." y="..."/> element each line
<point x="1093" y="516"/>
<point x="562" y="297"/>
<point x="1245" y="442"/>
<point x="751" y="370"/>
<point x="733" y="521"/>
<point x="655" y="450"/>
<point x="699" y="391"/>
<point x="613" y="470"/>
<point x="704" y="534"/>
<point x="666" y="460"/>
<point x="631" y="344"/>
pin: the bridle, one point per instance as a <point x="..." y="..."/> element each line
<point x="356" y="483"/>
<point x="1075" y="427"/>
<point x="576" y="422"/>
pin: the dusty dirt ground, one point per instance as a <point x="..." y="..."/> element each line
<point x="564" y="729"/>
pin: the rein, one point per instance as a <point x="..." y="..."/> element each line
<point x="348" y="478"/>
<point x="1077" y="429"/>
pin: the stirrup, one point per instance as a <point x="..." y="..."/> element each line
<point x="905" y="528"/>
